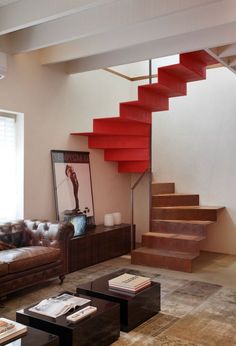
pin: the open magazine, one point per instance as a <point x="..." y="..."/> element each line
<point x="60" y="305"/>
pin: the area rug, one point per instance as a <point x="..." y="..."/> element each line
<point x="193" y="313"/>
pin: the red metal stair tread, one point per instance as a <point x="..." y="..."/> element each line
<point x="167" y="253"/>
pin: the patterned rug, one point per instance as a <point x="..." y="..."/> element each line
<point x="193" y="313"/>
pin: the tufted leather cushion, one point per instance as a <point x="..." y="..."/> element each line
<point x="15" y="233"/>
<point x="3" y="269"/>
<point x="24" y="258"/>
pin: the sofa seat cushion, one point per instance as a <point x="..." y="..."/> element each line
<point x="3" y="269"/>
<point x="24" y="258"/>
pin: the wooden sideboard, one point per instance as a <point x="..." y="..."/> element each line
<point x="99" y="244"/>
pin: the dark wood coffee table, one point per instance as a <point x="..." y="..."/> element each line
<point x="35" y="337"/>
<point x="134" y="309"/>
<point x="100" y="328"/>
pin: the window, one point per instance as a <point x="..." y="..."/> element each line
<point x="9" y="172"/>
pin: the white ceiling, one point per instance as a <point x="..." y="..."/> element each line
<point x="7" y="2"/>
<point x="91" y="34"/>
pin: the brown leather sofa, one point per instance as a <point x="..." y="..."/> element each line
<point x="32" y="252"/>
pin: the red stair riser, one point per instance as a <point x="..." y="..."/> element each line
<point x="174" y="83"/>
<point x="203" y="57"/>
<point x="193" y="64"/>
<point x="135" y="113"/>
<point x="178" y="228"/>
<point x="174" y="200"/>
<point x="183" y="72"/>
<point x="121" y="128"/>
<point x="170" y="244"/>
<point x="133" y="166"/>
<point x="126" y="154"/>
<point x="104" y="142"/>
<point x="154" y="101"/>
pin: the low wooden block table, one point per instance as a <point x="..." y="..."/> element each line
<point x="100" y="328"/>
<point x="134" y="309"/>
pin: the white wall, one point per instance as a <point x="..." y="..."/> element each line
<point x="54" y="105"/>
<point x="194" y="145"/>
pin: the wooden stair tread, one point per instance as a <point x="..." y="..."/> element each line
<point x="166" y="253"/>
<point x="195" y="222"/>
<point x="192" y="207"/>
<point x="160" y="183"/>
<point x="174" y="194"/>
<point x="172" y="235"/>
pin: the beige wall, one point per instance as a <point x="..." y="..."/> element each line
<point x="54" y="105"/>
<point x="194" y="145"/>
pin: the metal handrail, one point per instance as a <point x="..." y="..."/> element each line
<point x="132" y="207"/>
<point x="141" y="176"/>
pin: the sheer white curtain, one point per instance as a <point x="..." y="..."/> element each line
<point x="8" y="181"/>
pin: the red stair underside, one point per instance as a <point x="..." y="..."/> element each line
<point x="126" y="138"/>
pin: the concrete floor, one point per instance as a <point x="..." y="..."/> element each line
<point x="210" y="267"/>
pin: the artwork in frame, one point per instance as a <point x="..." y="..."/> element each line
<point x="73" y="188"/>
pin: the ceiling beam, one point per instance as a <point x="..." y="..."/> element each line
<point x="193" y="24"/>
<point x="154" y="49"/>
<point x="224" y="61"/>
<point x="26" y="13"/>
<point x="227" y="51"/>
<point x="110" y="16"/>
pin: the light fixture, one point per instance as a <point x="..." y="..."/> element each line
<point x="3" y="65"/>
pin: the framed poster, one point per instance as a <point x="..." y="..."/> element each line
<point x="73" y="187"/>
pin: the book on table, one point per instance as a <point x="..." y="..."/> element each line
<point x="10" y="330"/>
<point x="60" y="305"/>
<point x="129" y="283"/>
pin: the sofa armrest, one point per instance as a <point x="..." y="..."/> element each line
<point x="51" y="234"/>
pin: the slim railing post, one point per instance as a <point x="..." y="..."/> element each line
<point x="132" y="208"/>
<point x="150" y="158"/>
<point x="150" y="71"/>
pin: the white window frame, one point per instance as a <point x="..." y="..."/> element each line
<point x="19" y="162"/>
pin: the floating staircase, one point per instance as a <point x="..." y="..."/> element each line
<point x="178" y="222"/>
<point x="126" y="138"/>
<point x="179" y="225"/>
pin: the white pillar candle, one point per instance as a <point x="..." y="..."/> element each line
<point x="117" y="218"/>
<point x="108" y="220"/>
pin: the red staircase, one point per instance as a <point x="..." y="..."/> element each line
<point x="178" y="222"/>
<point x="126" y="138"/>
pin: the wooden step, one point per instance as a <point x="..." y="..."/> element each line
<point x="181" y="226"/>
<point x="186" y="213"/>
<point x="158" y="188"/>
<point x="175" y="260"/>
<point x="174" y="199"/>
<point x="172" y="241"/>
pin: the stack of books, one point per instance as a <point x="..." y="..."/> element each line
<point x="10" y="330"/>
<point x="129" y="283"/>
